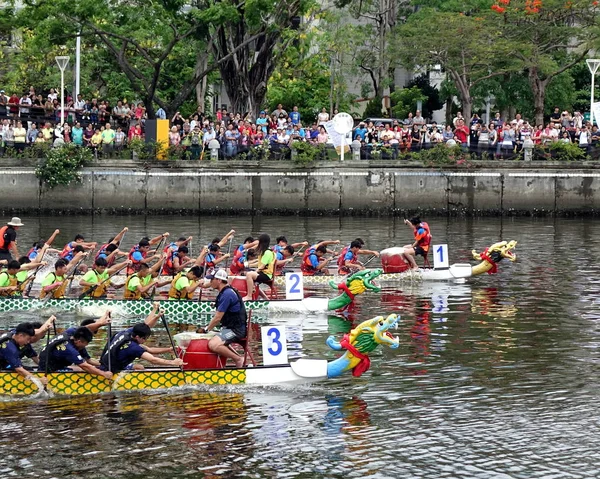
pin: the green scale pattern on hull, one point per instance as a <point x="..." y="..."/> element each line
<point x="174" y="308"/>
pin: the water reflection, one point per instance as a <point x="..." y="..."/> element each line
<point x="504" y="365"/>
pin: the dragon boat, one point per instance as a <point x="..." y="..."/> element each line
<point x="348" y="289"/>
<point x="204" y="367"/>
<point x="396" y="269"/>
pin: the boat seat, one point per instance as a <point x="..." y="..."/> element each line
<point x="246" y="342"/>
<point x="259" y="293"/>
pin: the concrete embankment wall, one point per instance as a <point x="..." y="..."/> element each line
<point x="347" y="190"/>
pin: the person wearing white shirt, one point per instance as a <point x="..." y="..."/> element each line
<point x="25" y="103"/>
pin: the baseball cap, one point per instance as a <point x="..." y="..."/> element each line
<point x="217" y="274"/>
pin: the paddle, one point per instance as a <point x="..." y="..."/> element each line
<point x="166" y="325"/>
<point x="47" y="365"/>
<point x="162" y="264"/>
<point x="369" y="260"/>
<point x="228" y="252"/>
<point x="108" y="340"/>
<point x="72" y="276"/>
<point x="30" y="278"/>
<point x="91" y="289"/>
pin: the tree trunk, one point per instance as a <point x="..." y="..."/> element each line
<point x="538" y="88"/>
<point x="201" y="65"/>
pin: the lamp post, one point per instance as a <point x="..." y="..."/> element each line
<point x="62" y="63"/>
<point x="593" y="65"/>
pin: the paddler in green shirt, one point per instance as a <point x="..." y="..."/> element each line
<point x="266" y="266"/>
<point x="138" y="285"/>
<point x="9" y="284"/>
<point x="184" y="284"/>
<point x="96" y="281"/>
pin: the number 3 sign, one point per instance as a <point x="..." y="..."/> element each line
<point x="274" y="345"/>
<point x="294" y="286"/>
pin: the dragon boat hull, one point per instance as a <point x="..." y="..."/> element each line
<point x="175" y="309"/>
<point x="80" y="383"/>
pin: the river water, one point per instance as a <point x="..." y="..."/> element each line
<point x="494" y="378"/>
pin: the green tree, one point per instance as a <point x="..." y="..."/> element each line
<point x="469" y="49"/>
<point x="549" y="36"/>
<point x="432" y="101"/>
<point x="405" y="101"/>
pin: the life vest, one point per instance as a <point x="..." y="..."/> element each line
<point x="237" y="265"/>
<point x="6" y="337"/>
<point x="11" y="282"/>
<point x="3" y="244"/>
<point x="342" y="268"/>
<point x="102" y="251"/>
<point x="306" y="267"/>
<point x="270" y="269"/>
<point x="211" y="263"/>
<point x="117" y="342"/>
<point x="100" y="290"/>
<point x="58" y="292"/>
<point x="33" y="252"/>
<point x="425" y="240"/>
<point x="54" y="363"/>
<point x="169" y="264"/>
<point x="234" y="321"/>
<point x="134" y="267"/>
<point x="128" y="294"/>
<point x="176" y="294"/>
<point x="67" y="252"/>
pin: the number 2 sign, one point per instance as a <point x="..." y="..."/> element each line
<point x="294" y="286"/>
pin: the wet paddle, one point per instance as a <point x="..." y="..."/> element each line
<point x="166" y="325"/>
<point x="108" y="340"/>
<point x="47" y="365"/>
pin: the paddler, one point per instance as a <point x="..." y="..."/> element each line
<point x="109" y="251"/>
<point x="55" y="283"/>
<point x="25" y="350"/>
<point x="185" y="283"/>
<point x="127" y="346"/>
<point x="214" y="256"/>
<point x="237" y="266"/>
<point x="231" y="315"/>
<point x="348" y="260"/>
<point x="15" y="347"/>
<point x="8" y="239"/>
<point x="139" y="255"/>
<point x="224" y="240"/>
<point x="314" y="261"/>
<point x="9" y="283"/>
<point x="23" y="276"/>
<point x="281" y="242"/>
<point x="69" y="252"/>
<point x="138" y="285"/>
<point x="422" y="241"/>
<point x="176" y="260"/>
<point x="266" y="266"/>
<point x="96" y="281"/>
<point x="66" y="352"/>
<point x="36" y="249"/>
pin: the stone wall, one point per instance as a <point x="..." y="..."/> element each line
<point x="360" y="190"/>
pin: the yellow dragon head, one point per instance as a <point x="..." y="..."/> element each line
<point x="492" y="255"/>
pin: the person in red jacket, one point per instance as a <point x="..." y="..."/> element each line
<point x="461" y="133"/>
<point x="422" y="241"/>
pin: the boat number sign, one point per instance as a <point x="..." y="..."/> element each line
<point x="274" y="345"/>
<point x="294" y="286"/>
<point x="440" y="256"/>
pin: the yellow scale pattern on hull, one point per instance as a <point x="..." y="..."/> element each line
<point x="79" y="384"/>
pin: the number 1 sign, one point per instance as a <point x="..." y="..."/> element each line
<point x="440" y="256"/>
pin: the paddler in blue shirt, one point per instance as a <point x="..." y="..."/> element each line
<point x="127" y="346"/>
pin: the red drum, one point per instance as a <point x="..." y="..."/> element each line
<point x="393" y="260"/>
<point x="198" y="356"/>
<point x="239" y="283"/>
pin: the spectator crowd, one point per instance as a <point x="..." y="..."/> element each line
<point x="32" y="119"/>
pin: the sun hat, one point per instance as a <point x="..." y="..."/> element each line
<point x="16" y="221"/>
